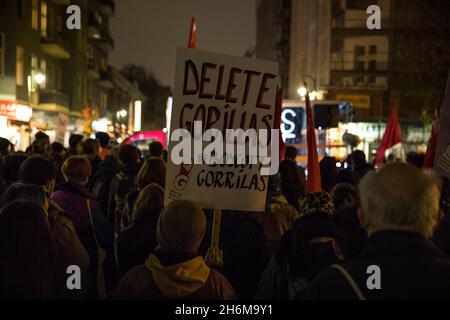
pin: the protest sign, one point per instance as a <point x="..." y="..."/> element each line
<point x="224" y="93"/>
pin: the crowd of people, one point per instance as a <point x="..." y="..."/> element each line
<point x="102" y="209"/>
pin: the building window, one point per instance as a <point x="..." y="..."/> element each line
<point x="359" y="65"/>
<point x="360" y="50"/>
<point x="103" y="100"/>
<point x="372" y="65"/>
<point x="20" y="61"/>
<point x="34" y="71"/>
<point x="43" y="69"/>
<point x="373" y="49"/>
<point x="2" y="54"/>
<point x="34" y="14"/>
<point x="57" y="76"/>
<point x="43" y="19"/>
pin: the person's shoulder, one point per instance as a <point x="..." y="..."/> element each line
<point x="329" y="284"/>
<point x="222" y="287"/>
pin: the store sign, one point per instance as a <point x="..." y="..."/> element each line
<point x="292" y="123"/>
<point x="359" y="101"/>
<point x="15" y="111"/>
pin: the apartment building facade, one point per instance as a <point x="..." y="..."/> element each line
<point x="55" y="79"/>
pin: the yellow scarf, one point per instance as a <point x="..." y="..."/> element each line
<point x="179" y="280"/>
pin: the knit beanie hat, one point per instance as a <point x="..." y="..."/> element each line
<point x="181" y="227"/>
<point x="315" y="202"/>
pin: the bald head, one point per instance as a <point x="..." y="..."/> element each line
<point x="399" y="196"/>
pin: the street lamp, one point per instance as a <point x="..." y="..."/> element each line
<point x="122" y="113"/>
<point x="39" y="78"/>
<point x="302" y="91"/>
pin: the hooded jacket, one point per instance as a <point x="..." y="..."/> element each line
<point x="187" y="280"/>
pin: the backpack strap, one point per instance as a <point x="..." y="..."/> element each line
<point x="350" y="281"/>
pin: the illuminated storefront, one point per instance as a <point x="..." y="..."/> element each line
<point x="15" y="123"/>
<point x="332" y="121"/>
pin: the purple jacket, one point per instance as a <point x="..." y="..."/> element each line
<point x="73" y="198"/>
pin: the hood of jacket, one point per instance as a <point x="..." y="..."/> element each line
<point x="179" y="280"/>
<point x="73" y="187"/>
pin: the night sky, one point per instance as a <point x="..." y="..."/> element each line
<point x="147" y="32"/>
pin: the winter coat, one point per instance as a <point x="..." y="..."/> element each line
<point x="74" y="199"/>
<point x="123" y="183"/>
<point x="137" y="241"/>
<point x="305" y="250"/>
<point x="187" y="280"/>
<point x="70" y="248"/>
<point x="101" y="183"/>
<point x="410" y="267"/>
<point x="245" y="252"/>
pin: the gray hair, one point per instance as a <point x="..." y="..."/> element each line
<point x="400" y="196"/>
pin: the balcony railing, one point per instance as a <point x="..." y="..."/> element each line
<point x="352" y="61"/>
<point x="106" y="43"/>
<point x="54" y="45"/>
<point x="51" y="96"/>
<point x="92" y="72"/>
<point x="106" y="79"/>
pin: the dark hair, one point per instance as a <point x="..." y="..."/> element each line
<point x="290" y="153"/>
<point x="149" y="201"/>
<point x="129" y="154"/>
<point x="345" y="195"/>
<point x="293" y="185"/>
<point x="350" y="235"/>
<point x="11" y="166"/>
<point x="41" y="146"/>
<point x="74" y="140"/>
<point x="415" y="159"/>
<point x="29" y="263"/>
<point x="155" y="148"/>
<point x="91" y="146"/>
<point x="5" y="146"/>
<point x="329" y="172"/>
<point x="37" y="170"/>
<point x="152" y="171"/>
<point x="57" y="147"/>
<point x="23" y="191"/>
<point x="103" y="139"/>
<point x="41" y="136"/>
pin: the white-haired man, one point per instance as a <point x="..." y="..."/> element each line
<point x="399" y="210"/>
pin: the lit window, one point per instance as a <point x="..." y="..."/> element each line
<point x="19" y="65"/>
<point x="34" y="71"/>
<point x="43" y="19"/>
<point x="34" y="14"/>
<point x="43" y="69"/>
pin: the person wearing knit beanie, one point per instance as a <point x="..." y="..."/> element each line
<point x="181" y="228"/>
<point x="317" y="202"/>
<point x="175" y="270"/>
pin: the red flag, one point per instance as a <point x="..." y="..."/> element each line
<point x="313" y="182"/>
<point x="432" y="142"/>
<point x="391" y="137"/>
<point x="192" y="35"/>
<point x="277" y="121"/>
